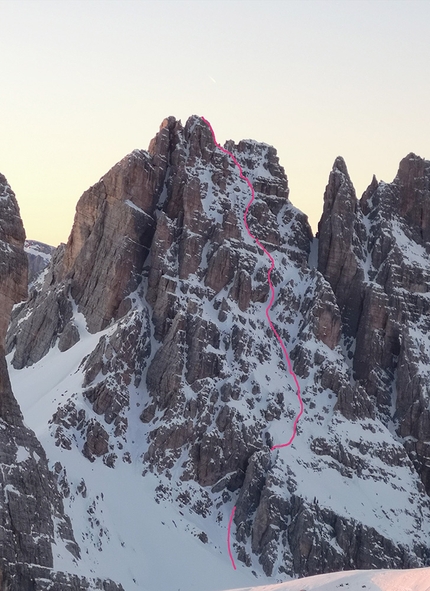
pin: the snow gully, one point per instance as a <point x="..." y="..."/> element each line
<point x="269" y="320"/>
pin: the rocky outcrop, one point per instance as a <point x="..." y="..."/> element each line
<point x="31" y="501"/>
<point x="19" y="576"/>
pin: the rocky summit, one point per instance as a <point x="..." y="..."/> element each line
<point x="144" y="361"/>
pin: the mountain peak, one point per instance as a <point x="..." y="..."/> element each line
<point x="340" y="165"/>
<point x="147" y="362"/>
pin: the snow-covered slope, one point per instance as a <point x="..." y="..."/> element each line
<point x="382" y="580"/>
<point x="124" y="533"/>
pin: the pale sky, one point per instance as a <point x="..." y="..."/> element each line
<point x="84" y="82"/>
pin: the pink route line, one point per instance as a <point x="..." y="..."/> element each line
<point x="230" y="521"/>
<point x="269" y="306"/>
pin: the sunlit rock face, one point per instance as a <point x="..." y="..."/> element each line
<point x="183" y="377"/>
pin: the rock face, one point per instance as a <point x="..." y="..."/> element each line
<point x="340" y="249"/>
<point x="32" y="516"/>
<point x="163" y="282"/>
<point x="13" y="265"/>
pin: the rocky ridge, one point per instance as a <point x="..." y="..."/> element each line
<point x="160" y="276"/>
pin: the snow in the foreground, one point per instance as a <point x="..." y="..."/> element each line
<point x="417" y="579"/>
